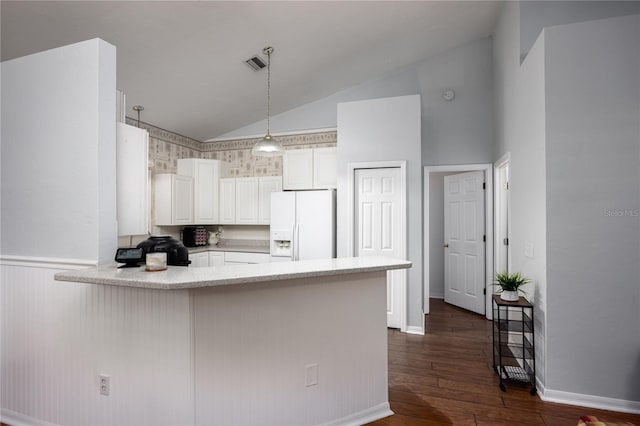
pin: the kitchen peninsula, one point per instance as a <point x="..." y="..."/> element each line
<point x="300" y="343"/>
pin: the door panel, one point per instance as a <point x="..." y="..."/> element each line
<point x="464" y="240"/>
<point x="378" y="227"/>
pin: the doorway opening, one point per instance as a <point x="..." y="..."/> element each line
<point x="434" y="244"/>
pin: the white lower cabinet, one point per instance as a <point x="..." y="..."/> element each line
<point x="216" y="258"/>
<point x="235" y="258"/>
<point x="247" y="201"/>
<point x="199" y="260"/>
<point x="220" y="258"/>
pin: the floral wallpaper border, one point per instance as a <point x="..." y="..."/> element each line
<point x="166" y="147"/>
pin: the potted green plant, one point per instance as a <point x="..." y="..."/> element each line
<point x="510" y="285"/>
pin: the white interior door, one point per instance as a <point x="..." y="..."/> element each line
<point x="464" y="241"/>
<point x="377" y="228"/>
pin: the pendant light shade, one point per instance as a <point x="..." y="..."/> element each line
<point x="268" y="146"/>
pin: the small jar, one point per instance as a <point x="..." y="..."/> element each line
<point x="156" y="261"/>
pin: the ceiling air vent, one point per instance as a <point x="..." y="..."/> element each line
<point x="255" y="63"/>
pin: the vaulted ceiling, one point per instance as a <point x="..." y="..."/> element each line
<point x="184" y="60"/>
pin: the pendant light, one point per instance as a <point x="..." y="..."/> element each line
<point x="268" y="146"/>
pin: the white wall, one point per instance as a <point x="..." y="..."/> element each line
<point x="593" y="183"/>
<point x="456" y="132"/>
<point x="535" y="15"/>
<point x="519" y="113"/>
<point x="58" y="153"/>
<point x="527" y="193"/>
<point x="385" y="129"/>
<point x="569" y="116"/>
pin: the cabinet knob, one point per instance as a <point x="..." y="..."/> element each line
<point x="446" y="246"/>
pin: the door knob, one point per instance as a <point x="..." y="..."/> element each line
<point x="446" y="246"/>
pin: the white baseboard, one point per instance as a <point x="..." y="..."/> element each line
<point x="412" y="329"/>
<point x="369" y="415"/>
<point x="591" y="401"/>
<point x="17" y="419"/>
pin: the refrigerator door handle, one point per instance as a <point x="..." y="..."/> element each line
<point x="296" y="247"/>
<point x="294" y="244"/>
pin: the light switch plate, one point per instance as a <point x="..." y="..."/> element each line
<point x="528" y="249"/>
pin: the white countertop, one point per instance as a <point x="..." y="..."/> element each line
<point x="181" y="277"/>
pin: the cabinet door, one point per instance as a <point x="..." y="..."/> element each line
<point x="199" y="260"/>
<point x="228" y="201"/>
<point x="182" y="200"/>
<point x="297" y="169"/>
<point x="216" y="258"/>
<point x="247" y="201"/>
<point x="132" y="179"/>
<point x="267" y="185"/>
<point x="325" y="168"/>
<point x="206" y="176"/>
<point x="244" y="257"/>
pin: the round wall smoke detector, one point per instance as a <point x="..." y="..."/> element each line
<point x="448" y="95"/>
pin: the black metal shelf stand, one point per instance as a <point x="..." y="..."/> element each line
<point x="513" y="342"/>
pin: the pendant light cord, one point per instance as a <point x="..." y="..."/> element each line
<point x="138" y="108"/>
<point x="268" y="51"/>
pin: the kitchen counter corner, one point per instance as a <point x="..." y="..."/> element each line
<point x="179" y="277"/>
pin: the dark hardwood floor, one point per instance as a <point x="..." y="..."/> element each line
<point x="446" y="378"/>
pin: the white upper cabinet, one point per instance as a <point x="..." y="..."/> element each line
<point x="174" y="199"/>
<point x="267" y="185"/>
<point x="228" y="201"/>
<point x="297" y="169"/>
<point x="247" y="200"/>
<point x="325" y="168"/>
<point x="132" y="179"/>
<point x="309" y="168"/>
<point x="206" y="182"/>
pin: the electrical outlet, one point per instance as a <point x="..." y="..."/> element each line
<point x="311" y="374"/>
<point x="105" y="384"/>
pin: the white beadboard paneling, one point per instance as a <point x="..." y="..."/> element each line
<point x="250" y="373"/>
<point x="57" y="337"/>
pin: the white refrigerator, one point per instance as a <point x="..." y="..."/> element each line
<point x="303" y="225"/>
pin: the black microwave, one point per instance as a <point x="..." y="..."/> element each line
<point x="194" y="236"/>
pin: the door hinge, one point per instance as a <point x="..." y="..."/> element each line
<point x="505" y="241"/>
<point x="506" y="185"/>
<point x="484" y="290"/>
<point x="484" y="185"/>
<point x="484" y="238"/>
